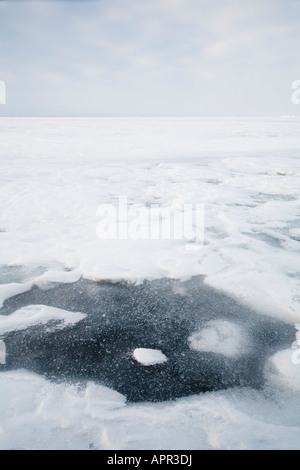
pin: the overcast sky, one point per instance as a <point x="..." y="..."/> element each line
<point x="149" y="57"/>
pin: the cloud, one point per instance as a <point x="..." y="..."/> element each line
<point x="146" y="56"/>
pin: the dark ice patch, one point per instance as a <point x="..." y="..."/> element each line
<point x="121" y="317"/>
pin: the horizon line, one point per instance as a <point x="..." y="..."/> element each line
<point x="152" y="116"/>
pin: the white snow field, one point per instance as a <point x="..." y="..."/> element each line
<point x="54" y="174"/>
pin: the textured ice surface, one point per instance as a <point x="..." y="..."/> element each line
<point x="54" y="173"/>
<point x="211" y="341"/>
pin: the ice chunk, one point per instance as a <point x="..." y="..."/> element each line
<point x="149" y="357"/>
<point x="36" y="315"/>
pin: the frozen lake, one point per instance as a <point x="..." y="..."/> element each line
<point x="224" y="315"/>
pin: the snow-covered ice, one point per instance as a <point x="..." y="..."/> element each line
<point x="37" y="414"/>
<point x="54" y="174"/>
<point x="221" y="337"/>
<point x="37" y="315"/>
